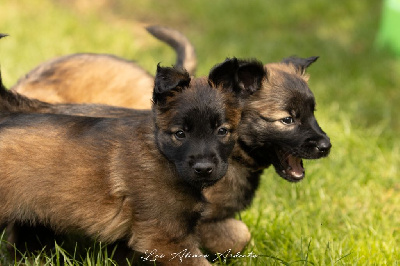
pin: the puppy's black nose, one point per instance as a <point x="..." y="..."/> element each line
<point x="323" y="145"/>
<point x="203" y="168"/>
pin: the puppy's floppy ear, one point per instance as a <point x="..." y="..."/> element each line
<point x="168" y="80"/>
<point x="3" y="35"/>
<point x="300" y="64"/>
<point x="250" y="75"/>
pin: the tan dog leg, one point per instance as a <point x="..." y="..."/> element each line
<point x="220" y="236"/>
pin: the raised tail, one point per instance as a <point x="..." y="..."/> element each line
<point x="186" y="55"/>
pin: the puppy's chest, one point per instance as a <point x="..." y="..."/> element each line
<point x="236" y="189"/>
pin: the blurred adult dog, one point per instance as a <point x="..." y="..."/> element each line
<point x="278" y="128"/>
<point x="139" y="180"/>
<point x="102" y="78"/>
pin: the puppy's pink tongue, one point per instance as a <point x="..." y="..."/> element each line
<point x="295" y="169"/>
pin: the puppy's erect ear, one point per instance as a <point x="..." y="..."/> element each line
<point x="168" y="80"/>
<point x="250" y="76"/>
<point x="225" y="74"/>
<point x="300" y="64"/>
<point x="243" y="77"/>
<point x="3" y="35"/>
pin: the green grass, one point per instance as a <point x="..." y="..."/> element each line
<point x="347" y="210"/>
<point x="95" y="254"/>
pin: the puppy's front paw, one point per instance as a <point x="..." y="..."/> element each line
<point x="220" y="236"/>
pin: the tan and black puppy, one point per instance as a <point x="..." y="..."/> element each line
<point x="278" y="128"/>
<point x="102" y="78"/>
<point x="138" y="180"/>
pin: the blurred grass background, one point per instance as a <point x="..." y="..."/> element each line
<point x="347" y="210"/>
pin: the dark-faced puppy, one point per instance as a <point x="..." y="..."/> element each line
<point x="278" y="128"/>
<point x="102" y="78"/>
<point x="202" y="136"/>
<point x="119" y="178"/>
<point x="280" y="119"/>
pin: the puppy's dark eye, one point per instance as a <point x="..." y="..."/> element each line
<point x="287" y="120"/>
<point x="180" y="134"/>
<point x="222" y="131"/>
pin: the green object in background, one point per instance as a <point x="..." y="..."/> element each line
<point x="389" y="32"/>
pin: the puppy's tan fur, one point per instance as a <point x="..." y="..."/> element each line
<point x="97" y="186"/>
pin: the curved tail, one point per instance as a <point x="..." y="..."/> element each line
<point x="186" y="55"/>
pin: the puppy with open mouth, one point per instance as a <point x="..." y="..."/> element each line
<point x="277" y="128"/>
<point x="281" y="119"/>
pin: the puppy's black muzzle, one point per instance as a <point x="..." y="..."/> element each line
<point x="203" y="169"/>
<point x="206" y="168"/>
<point x="320" y="147"/>
<point x="318" y="143"/>
<point x="323" y="146"/>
